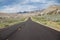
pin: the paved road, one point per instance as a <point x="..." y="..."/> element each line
<point x="7" y="32"/>
<point x="34" y="31"/>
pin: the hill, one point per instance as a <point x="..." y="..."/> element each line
<point x="54" y="9"/>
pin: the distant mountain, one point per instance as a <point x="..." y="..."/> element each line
<point x="53" y="9"/>
<point x="23" y="12"/>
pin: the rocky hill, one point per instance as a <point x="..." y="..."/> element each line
<point x="51" y="10"/>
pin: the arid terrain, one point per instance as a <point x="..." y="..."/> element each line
<point x="36" y="25"/>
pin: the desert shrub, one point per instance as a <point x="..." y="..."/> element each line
<point x="0" y="17"/>
<point x="6" y="22"/>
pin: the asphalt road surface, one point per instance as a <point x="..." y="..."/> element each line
<point x="34" y="31"/>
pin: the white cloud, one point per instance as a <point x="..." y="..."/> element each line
<point x="35" y="0"/>
<point x="51" y="3"/>
<point x="17" y="8"/>
<point x="24" y="2"/>
<point x="40" y="1"/>
<point x="22" y="6"/>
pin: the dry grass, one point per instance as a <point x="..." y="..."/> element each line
<point x="50" y="21"/>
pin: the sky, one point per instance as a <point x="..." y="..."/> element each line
<point x="13" y="6"/>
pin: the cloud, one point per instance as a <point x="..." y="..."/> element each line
<point x="17" y="8"/>
<point x="35" y="0"/>
<point x="13" y="6"/>
<point x="24" y="2"/>
<point x="41" y="1"/>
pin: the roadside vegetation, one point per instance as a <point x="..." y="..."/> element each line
<point x="6" y="22"/>
<point x="53" y="21"/>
